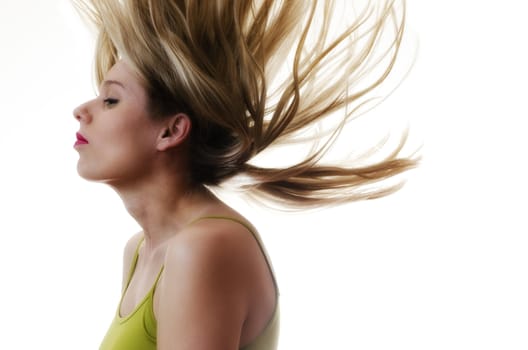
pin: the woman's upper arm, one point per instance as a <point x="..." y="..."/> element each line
<point x="203" y="294"/>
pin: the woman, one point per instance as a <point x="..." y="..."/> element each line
<point x="185" y="102"/>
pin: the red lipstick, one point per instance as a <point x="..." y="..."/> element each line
<point x="80" y="140"/>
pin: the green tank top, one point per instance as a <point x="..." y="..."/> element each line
<point x="137" y="331"/>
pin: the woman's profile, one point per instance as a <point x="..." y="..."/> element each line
<point x="190" y="92"/>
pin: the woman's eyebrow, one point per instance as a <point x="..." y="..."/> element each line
<point x="110" y="82"/>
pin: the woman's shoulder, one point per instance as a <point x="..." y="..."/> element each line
<point x="208" y="276"/>
<point x="208" y="233"/>
<point x="132" y="245"/>
<point x="222" y="263"/>
<point x="222" y="243"/>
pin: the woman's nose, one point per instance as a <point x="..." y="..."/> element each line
<point x="81" y="113"/>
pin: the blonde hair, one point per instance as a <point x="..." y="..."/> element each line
<point x="216" y="61"/>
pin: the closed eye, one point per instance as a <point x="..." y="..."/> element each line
<point x="110" y="101"/>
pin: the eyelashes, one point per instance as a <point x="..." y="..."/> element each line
<point x="109" y="102"/>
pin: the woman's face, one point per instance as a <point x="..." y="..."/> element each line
<point x="117" y="137"/>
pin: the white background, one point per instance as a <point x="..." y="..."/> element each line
<point x="442" y="264"/>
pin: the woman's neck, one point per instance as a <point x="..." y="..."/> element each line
<point x="164" y="206"/>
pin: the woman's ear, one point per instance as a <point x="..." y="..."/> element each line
<point x="175" y="131"/>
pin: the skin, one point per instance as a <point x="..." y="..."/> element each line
<point x="216" y="290"/>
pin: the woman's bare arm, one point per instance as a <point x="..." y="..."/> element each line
<point x="205" y="290"/>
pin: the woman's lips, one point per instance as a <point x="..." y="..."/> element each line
<point x="80" y="140"/>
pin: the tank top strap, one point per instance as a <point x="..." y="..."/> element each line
<point x="133" y="264"/>
<point x="153" y="289"/>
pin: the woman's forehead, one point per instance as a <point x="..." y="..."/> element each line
<point x="123" y="76"/>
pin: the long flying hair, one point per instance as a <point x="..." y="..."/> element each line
<point x="256" y="73"/>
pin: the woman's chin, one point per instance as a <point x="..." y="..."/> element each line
<point x="110" y="177"/>
<point x="88" y="173"/>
